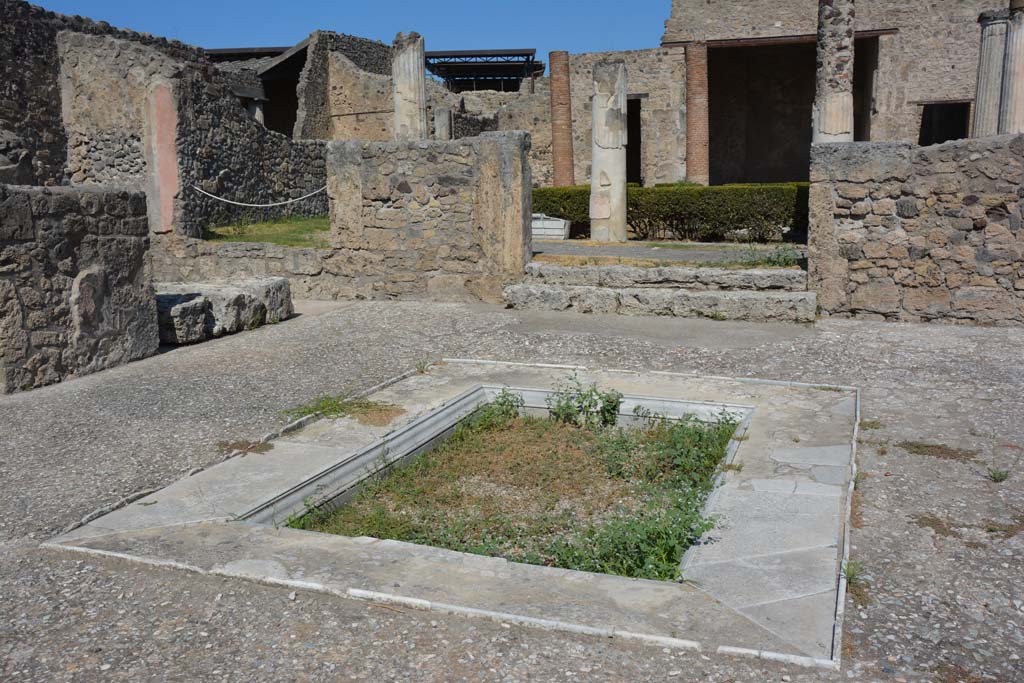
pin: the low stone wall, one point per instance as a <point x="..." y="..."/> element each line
<point x="76" y="292"/>
<point x="919" y="233"/>
<point x="439" y="218"/>
<point x="422" y="220"/>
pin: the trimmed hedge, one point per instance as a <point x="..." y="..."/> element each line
<point x="748" y="212"/>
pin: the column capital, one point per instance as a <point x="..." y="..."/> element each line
<point x="994" y="16"/>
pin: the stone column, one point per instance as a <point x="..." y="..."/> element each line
<point x="1011" y="112"/>
<point x="990" y="72"/>
<point x="832" y="115"/>
<point x="409" y="83"/>
<point x="608" y="165"/>
<point x="443" y="124"/>
<point x="561" y="120"/>
<point x="698" y="125"/>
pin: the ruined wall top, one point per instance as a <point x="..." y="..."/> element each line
<point x="700" y="20"/>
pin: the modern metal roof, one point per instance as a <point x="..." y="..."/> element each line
<point x="463" y="70"/>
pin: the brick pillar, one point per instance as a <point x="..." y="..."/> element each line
<point x="990" y="72"/>
<point x="561" y="120"/>
<point x="832" y="115"/>
<point x="698" y="127"/>
<point x="1011" y="114"/>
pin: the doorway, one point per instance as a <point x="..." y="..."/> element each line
<point x="635" y="142"/>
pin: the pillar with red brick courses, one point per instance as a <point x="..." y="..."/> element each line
<point x="561" y="120"/>
<point x="698" y="127"/>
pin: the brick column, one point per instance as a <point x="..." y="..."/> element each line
<point x="990" y="72"/>
<point x="561" y="120"/>
<point x="1011" y="114"/>
<point x="698" y="127"/>
<point x="832" y="116"/>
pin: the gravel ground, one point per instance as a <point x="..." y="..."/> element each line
<point x="940" y="545"/>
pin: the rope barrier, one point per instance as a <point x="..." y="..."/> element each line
<point x="257" y="206"/>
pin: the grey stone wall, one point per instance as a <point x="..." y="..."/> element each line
<point x="447" y="221"/>
<point x="76" y="292"/>
<point x="314" y="90"/>
<point x="430" y="218"/>
<point x="30" y="101"/>
<point x="226" y="153"/>
<point x="919" y="233"/>
<point x="933" y="57"/>
<point x="104" y="83"/>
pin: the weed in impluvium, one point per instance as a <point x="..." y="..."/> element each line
<point x="422" y="367"/>
<point x="870" y="424"/>
<point x="573" y="491"/>
<point x="584" y="407"/>
<point x="998" y="475"/>
<point x="365" y="411"/>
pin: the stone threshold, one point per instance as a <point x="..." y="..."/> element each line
<point x="751" y="591"/>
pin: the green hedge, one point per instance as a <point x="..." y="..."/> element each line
<point x="694" y="212"/>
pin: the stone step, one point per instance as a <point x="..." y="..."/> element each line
<point x="755" y="306"/>
<point x="668" y="277"/>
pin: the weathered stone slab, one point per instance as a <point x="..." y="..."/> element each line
<point x="684" y="303"/>
<point x="783" y="279"/>
<point x="191" y="313"/>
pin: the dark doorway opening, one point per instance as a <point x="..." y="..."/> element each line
<point x="760" y="110"/>
<point x="944" y="121"/>
<point x="280" y="82"/>
<point x="282" y="106"/>
<point x="864" y="68"/>
<point x="634" y="143"/>
<point x="760" y="99"/>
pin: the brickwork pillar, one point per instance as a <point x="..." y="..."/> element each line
<point x="698" y="125"/>
<point x="1011" y="114"/>
<point x="832" y="115"/>
<point x="608" y="164"/>
<point x="561" y="120"/>
<point x="990" y="72"/>
<point x="409" y="83"/>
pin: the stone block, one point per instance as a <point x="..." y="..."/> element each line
<point x="876" y="296"/>
<point x="194" y="312"/>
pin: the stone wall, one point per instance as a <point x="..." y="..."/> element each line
<point x="431" y="219"/>
<point x="361" y="104"/>
<point x="932" y="57"/>
<point x="104" y="92"/>
<point x="30" y="100"/>
<point x="222" y="150"/>
<point x="418" y="220"/>
<point x="314" y="117"/>
<point x="919" y="233"/>
<point x="76" y="292"/>
<point x="136" y="116"/>
<point x="658" y="78"/>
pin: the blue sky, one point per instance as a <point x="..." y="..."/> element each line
<point x="573" y="25"/>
